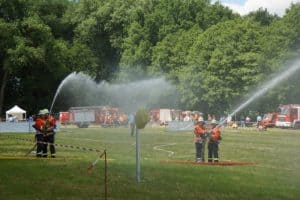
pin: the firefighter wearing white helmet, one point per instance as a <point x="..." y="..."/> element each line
<point x="199" y="132"/>
<point x="214" y="137"/>
<point x="38" y="125"/>
<point x="48" y="132"/>
<point x="204" y="139"/>
<point x="44" y="126"/>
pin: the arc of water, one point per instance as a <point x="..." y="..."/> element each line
<point x="70" y="76"/>
<point x="267" y="86"/>
<point x="128" y="96"/>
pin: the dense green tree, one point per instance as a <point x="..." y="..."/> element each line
<point x="9" y="12"/>
<point x="161" y="23"/>
<point x="136" y="57"/>
<point x="280" y="48"/>
<point x="224" y="63"/>
<point x="262" y="16"/>
<point x="33" y="58"/>
<point x="6" y="42"/>
<point x="214" y="14"/>
<point x="100" y="25"/>
<point x="292" y="19"/>
<point x="170" y="55"/>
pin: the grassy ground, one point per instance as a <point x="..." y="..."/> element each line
<point x="275" y="176"/>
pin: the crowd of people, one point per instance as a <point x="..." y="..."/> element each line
<point x="44" y="124"/>
<point x="111" y="117"/>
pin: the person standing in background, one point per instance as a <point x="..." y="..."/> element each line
<point x="131" y="122"/>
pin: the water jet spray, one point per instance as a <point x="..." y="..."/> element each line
<point x="129" y="97"/>
<point x="295" y="66"/>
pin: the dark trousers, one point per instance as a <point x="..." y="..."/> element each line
<point x="203" y="148"/>
<point x="213" y="151"/>
<point x="39" y="144"/>
<point x="49" y="139"/>
<point x="198" y="147"/>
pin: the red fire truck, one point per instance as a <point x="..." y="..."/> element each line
<point x="288" y="116"/>
<point x="269" y="119"/>
<point x="64" y="117"/>
<point x="83" y="116"/>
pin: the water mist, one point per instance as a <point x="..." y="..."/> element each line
<point x="82" y="90"/>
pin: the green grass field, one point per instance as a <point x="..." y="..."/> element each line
<point x="275" y="176"/>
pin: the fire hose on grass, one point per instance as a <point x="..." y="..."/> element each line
<point x="89" y="168"/>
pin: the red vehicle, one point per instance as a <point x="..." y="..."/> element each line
<point x="105" y="115"/>
<point x="64" y="117"/>
<point x="269" y="119"/>
<point x="288" y="116"/>
<point x="160" y="116"/>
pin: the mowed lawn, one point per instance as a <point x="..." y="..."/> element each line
<point x="276" y="174"/>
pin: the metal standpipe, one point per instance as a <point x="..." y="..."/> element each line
<point x="105" y="175"/>
<point x="138" y="166"/>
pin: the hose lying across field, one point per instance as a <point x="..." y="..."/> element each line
<point x="170" y="153"/>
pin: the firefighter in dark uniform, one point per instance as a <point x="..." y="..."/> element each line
<point x="199" y="133"/>
<point x="50" y="125"/>
<point x="39" y="136"/>
<point x="214" y="137"/>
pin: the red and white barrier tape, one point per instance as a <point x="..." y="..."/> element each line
<point x="60" y="145"/>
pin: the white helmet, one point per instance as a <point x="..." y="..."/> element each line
<point x="44" y="111"/>
<point x="214" y="121"/>
<point x="200" y="119"/>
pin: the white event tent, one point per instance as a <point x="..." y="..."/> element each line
<point x="17" y="112"/>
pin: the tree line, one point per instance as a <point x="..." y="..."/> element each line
<point x="214" y="56"/>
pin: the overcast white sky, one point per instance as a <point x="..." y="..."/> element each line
<point x="245" y="6"/>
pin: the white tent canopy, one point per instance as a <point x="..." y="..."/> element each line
<point x="16" y="112"/>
